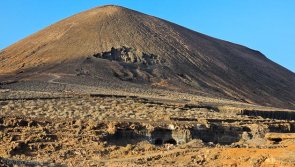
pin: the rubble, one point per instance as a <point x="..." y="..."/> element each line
<point x="114" y="129"/>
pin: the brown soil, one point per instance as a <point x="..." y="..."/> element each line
<point x="100" y="130"/>
<point x="114" y="87"/>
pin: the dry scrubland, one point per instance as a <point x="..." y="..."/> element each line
<point x="114" y="87"/>
<point x="63" y="129"/>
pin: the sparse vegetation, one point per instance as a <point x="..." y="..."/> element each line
<point x="115" y="87"/>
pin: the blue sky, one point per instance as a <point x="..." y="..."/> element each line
<point x="264" y="25"/>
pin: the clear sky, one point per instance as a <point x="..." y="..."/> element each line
<point x="264" y="25"/>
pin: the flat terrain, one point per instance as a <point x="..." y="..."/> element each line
<point x="65" y="129"/>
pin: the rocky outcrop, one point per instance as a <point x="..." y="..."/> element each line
<point x="130" y="55"/>
<point x="282" y="115"/>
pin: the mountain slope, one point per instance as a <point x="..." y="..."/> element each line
<point x="116" y="45"/>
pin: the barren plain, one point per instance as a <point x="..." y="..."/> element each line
<point x="67" y="129"/>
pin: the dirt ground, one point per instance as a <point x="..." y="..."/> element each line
<point x="45" y="129"/>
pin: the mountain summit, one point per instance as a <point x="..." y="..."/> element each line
<point x="118" y="46"/>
